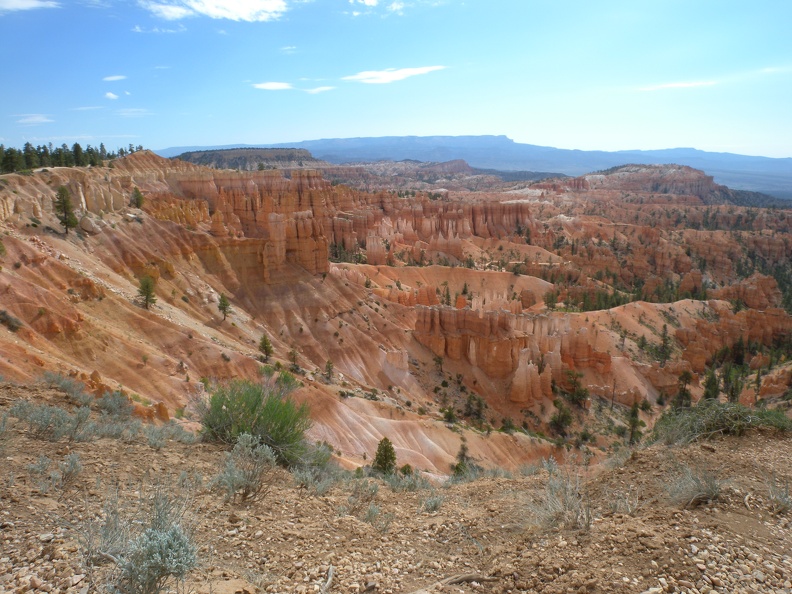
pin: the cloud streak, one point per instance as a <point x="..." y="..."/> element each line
<point x="139" y="29"/>
<point x="114" y="77"/>
<point x="111" y="96"/>
<point x="273" y="86"/>
<point x="319" y="90"/>
<point x="11" y="5"/>
<point x="32" y="119"/>
<point x="680" y="85"/>
<point x="133" y="112"/>
<point x="389" y="75"/>
<point x="233" y="10"/>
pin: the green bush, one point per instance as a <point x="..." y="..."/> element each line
<point x="264" y="411"/>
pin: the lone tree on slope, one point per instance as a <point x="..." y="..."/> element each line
<point x="146" y="291"/>
<point x="64" y="209"/>
<point x="385" y="458"/>
<point x="265" y="346"/>
<point x="224" y="305"/>
<point x="137" y="198"/>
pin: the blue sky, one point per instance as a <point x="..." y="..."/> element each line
<point x="714" y="75"/>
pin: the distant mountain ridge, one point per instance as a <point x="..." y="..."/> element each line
<point x="761" y="174"/>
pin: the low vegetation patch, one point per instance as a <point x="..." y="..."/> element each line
<point x="692" y="486"/>
<point x="711" y="417"/>
<point x="263" y="410"/>
<point x="247" y="473"/>
<point x="9" y="321"/>
<point x="564" y="503"/>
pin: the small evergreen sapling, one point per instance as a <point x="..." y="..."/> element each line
<point x="385" y="458"/>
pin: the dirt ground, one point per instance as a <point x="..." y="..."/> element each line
<point x="486" y="536"/>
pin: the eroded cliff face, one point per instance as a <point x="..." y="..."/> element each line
<point x="470" y="279"/>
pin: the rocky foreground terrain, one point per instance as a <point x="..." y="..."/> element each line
<point x="622" y="527"/>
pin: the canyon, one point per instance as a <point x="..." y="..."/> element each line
<point x="429" y="304"/>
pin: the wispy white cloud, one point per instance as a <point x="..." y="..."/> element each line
<point x="87" y="108"/>
<point x="775" y="70"/>
<point x="139" y="29"/>
<point x="234" y="10"/>
<point x="680" y="85"/>
<point x="133" y="112"/>
<point x="319" y="90"/>
<point x="110" y="95"/>
<point x="389" y="75"/>
<point x="11" y="5"/>
<point x="391" y="7"/>
<point x="31" y="119"/>
<point x="169" y="12"/>
<point x="273" y="86"/>
<point x="288" y="49"/>
<point x="114" y="77"/>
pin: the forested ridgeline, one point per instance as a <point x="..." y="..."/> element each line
<point x="31" y="157"/>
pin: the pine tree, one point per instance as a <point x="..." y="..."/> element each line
<point x="665" y="346"/>
<point x="79" y="155"/>
<point x="137" y="198"/>
<point x="635" y="424"/>
<point x="265" y="346"/>
<point x="224" y="305"/>
<point x="385" y="458"/>
<point x="711" y="387"/>
<point x="64" y="209"/>
<point x="146" y="291"/>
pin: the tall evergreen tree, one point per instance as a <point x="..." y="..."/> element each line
<point x="146" y="291"/>
<point x="64" y="209"/>
<point x="79" y="155"/>
<point x="31" y="156"/>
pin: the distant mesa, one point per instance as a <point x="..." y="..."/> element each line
<point x="740" y="172"/>
<point x="251" y="159"/>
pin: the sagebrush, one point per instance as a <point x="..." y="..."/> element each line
<point x="263" y="410"/>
